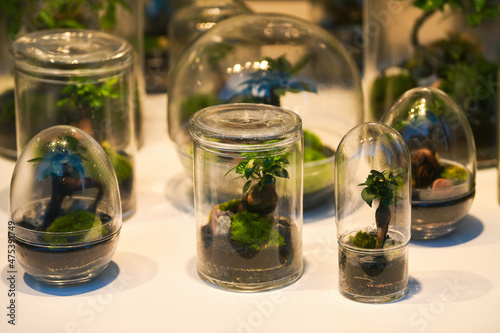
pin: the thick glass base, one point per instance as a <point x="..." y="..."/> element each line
<point x="373" y="276"/>
<point x="251" y="287"/>
<point x="64" y="280"/>
<point x="376" y="299"/>
<point x="434" y="220"/>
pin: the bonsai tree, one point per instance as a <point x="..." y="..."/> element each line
<point x="380" y="186"/>
<point x="63" y="166"/>
<point x="251" y="226"/>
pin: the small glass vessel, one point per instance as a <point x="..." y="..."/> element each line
<point x="65" y="207"/>
<point x="443" y="159"/>
<point x="81" y="78"/>
<point x="276" y="60"/>
<point x="372" y="196"/>
<point x="248" y="199"/>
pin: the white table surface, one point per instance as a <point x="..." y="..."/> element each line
<point x="152" y="285"/>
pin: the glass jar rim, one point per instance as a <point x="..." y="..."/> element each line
<point x="73" y="52"/>
<point x="245" y="127"/>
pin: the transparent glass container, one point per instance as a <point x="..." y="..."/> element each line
<point x="195" y="18"/>
<point x="123" y="19"/>
<point x="65" y="207"/>
<point x="447" y="48"/>
<point x="443" y="159"/>
<point x="248" y="196"/>
<point x="276" y="60"/>
<point x="81" y="78"/>
<point x="372" y="197"/>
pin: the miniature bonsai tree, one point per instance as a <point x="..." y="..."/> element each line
<point x="63" y="166"/>
<point x="251" y="224"/>
<point x="380" y="186"/>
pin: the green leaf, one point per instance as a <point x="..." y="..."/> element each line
<point x="247" y="186"/>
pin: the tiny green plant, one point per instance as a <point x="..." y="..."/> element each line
<point x="263" y="170"/>
<point x="381" y="186"/>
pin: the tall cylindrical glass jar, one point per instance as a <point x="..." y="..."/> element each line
<point x="373" y="202"/>
<point x="434" y="43"/>
<point x="81" y="78"/>
<point x="120" y="18"/>
<point x="248" y="195"/>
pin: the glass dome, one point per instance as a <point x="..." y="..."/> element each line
<point x="64" y="198"/>
<point x="277" y="60"/>
<point x="372" y="196"/>
<point x="443" y="159"/>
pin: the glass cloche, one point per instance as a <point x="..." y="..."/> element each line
<point x="278" y="60"/>
<point x="443" y="159"/>
<point x="372" y="195"/>
<point x="65" y="207"/>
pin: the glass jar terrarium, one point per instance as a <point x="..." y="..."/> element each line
<point x="248" y="199"/>
<point x="81" y="78"/>
<point x="440" y="44"/>
<point x="65" y="208"/>
<point x="33" y="15"/>
<point x="443" y="159"/>
<point x="194" y="19"/>
<point x="372" y="196"/>
<point x="277" y="60"/>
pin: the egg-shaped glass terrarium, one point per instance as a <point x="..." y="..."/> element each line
<point x="81" y="78"/>
<point x="443" y="159"/>
<point x="372" y="196"/>
<point x="65" y="207"/>
<point x="248" y="195"/>
<point x="277" y="60"/>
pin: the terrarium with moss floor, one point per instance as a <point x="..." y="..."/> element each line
<point x="248" y="196"/>
<point x="373" y="215"/>
<point x="443" y="159"/>
<point x="65" y="208"/>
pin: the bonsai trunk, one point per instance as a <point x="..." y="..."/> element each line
<point x="382" y="218"/>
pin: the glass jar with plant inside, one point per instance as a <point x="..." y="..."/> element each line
<point x="443" y="159"/>
<point x="20" y="17"/>
<point x="372" y="170"/>
<point x="84" y="79"/>
<point x="275" y="60"/>
<point x="248" y="203"/>
<point x="446" y="44"/>
<point x="65" y="207"/>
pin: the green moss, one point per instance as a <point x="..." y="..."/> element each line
<point x="386" y="89"/>
<point x="364" y="240"/>
<point x="231" y="205"/>
<point x="121" y="164"/>
<point x="454" y="173"/>
<point x="312" y="141"/>
<point x="311" y="155"/>
<point x="254" y="231"/>
<point x="196" y="102"/>
<point x="78" y="220"/>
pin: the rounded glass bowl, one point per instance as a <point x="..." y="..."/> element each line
<point x="443" y="159"/>
<point x="277" y="60"/>
<point x="65" y="207"/>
